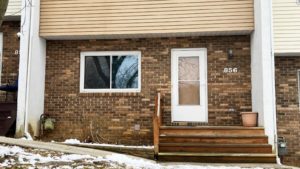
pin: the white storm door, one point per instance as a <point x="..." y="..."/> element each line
<point x="189" y="85"/>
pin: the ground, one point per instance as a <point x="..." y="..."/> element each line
<point x="19" y="157"/>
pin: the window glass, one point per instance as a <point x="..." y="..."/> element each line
<point x="125" y="72"/>
<point x="97" y="72"/>
<point x="189" y="80"/>
<point x="110" y="71"/>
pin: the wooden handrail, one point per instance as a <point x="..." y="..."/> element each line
<point x="158" y="108"/>
<point x="156" y="124"/>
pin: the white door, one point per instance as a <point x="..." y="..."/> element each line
<point x="189" y="85"/>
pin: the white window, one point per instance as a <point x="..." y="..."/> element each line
<point x="117" y="71"/>
<point x="1" y="53"/>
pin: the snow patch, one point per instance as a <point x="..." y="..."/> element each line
<point x="118" y="145"/>
<point x="5" y="163"/>
<point x="199" y="167"/>
<point x="132" y="163"/>
<point x="10" y="150"/>
<point x="30" y="158"/>
<point x="77" y="142"/>
<point x="75" y="157"/>
<point x="114" y="160"/>
<point x="27" y="137"/>
<point x="72" y="141"/>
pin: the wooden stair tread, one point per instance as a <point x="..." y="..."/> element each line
<point x="211" y="136"/>
<point x="213" y="145"/>
<point x="211" y="128"/>
<point x="217" y="157"/>
<point x="187" y="154"/>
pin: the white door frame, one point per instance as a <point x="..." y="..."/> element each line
<point x="189" y="113"/>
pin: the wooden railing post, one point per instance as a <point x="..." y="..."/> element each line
<point x="156" y="124"/>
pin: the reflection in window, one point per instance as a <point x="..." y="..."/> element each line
<point x="189" y="76"/>
<point x="97" y="72"/>
<point x="125" y="72"/>
<point x="111" y="71"/>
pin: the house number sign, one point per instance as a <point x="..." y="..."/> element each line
<point x="230" y="70"/>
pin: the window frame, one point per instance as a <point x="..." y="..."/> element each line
<point x="110" y="53"/>
<point x="298" y="2"/>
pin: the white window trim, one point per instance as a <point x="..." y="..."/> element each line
<point x="99" y="53"/>
<point x="298" y="2"/>
<point x="1" y="54"/>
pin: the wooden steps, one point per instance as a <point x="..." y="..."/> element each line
<point x="217" y="157"/>
<point x="225" y="139"/>
<point x="214" y="144"/>
<point x="212" y="130"/>
<point x="215" y="148"/>
<point x="209" y="144"/>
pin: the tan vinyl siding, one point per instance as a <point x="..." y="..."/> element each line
<point x="13" y="8"/>
<point x="120" y="17"/>
<point x="286" y="22"/>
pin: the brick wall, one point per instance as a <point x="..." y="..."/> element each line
<point x="110" y="117"/>
<point x="288" y="114"/>
<point x="10" y="60"/>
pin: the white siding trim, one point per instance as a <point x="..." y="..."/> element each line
<point x="32" y="52"/>
<point x="13" y="8"/>
<point x="286" y="26"/>
<point x="262" y="71"/>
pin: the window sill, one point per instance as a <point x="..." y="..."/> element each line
<point x="108" y="94"/>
